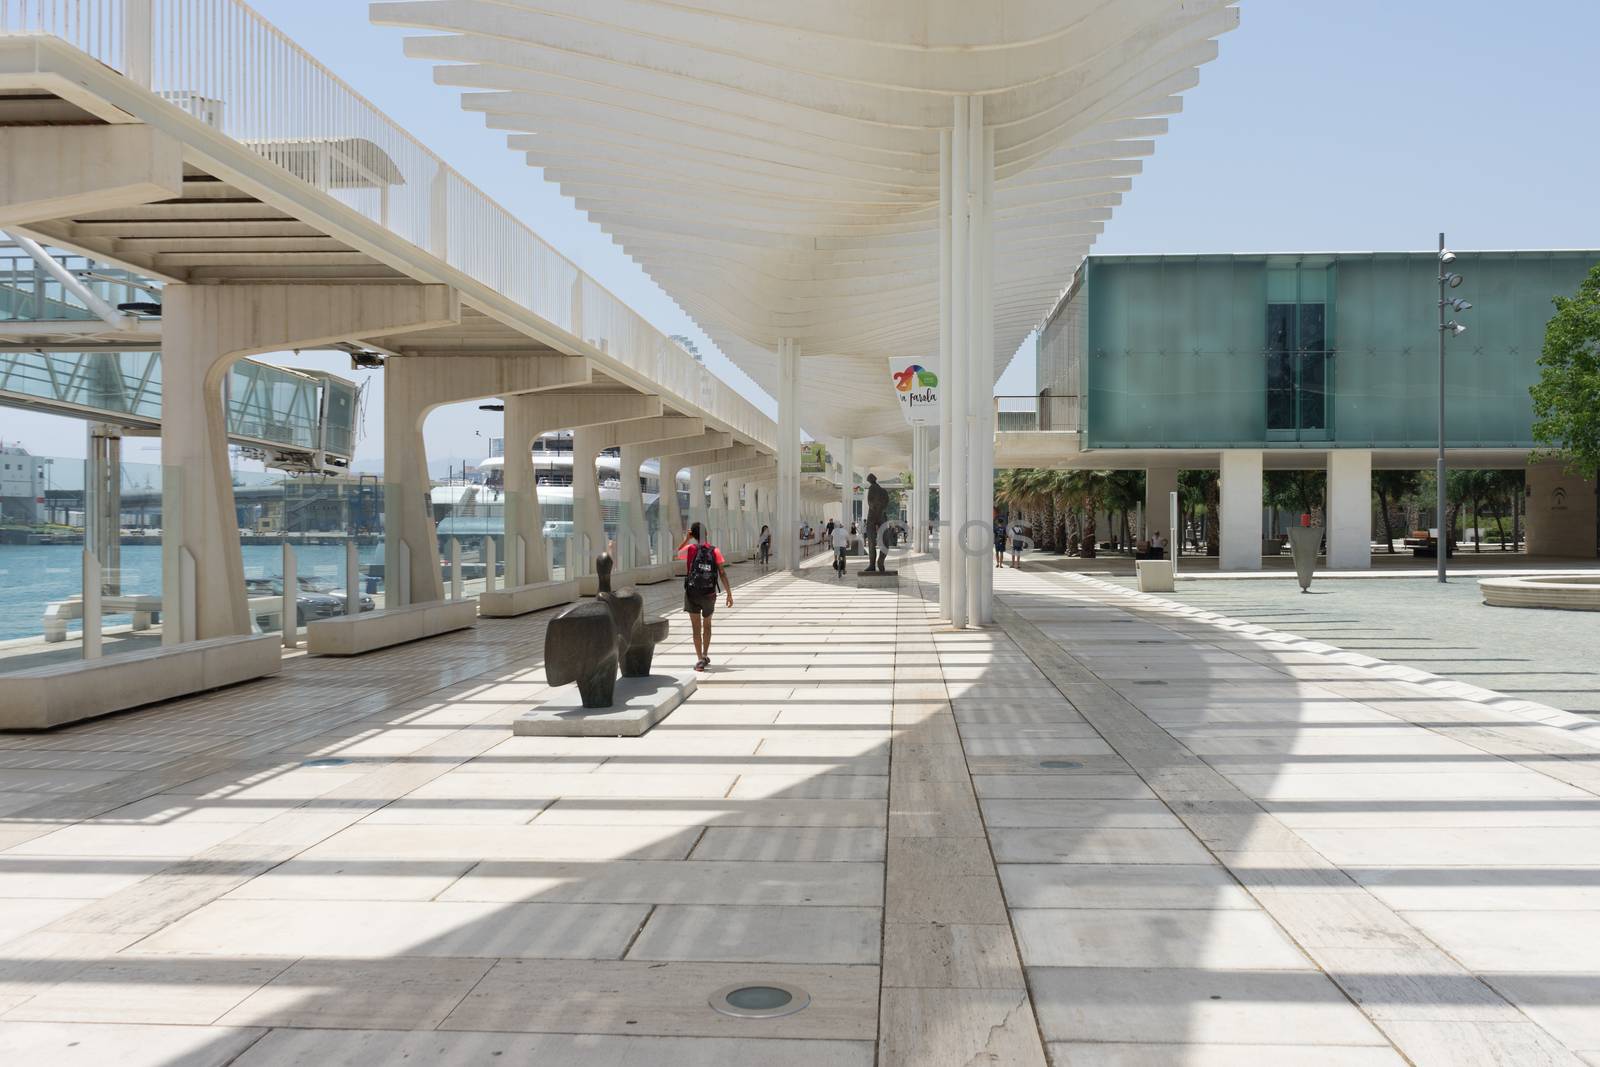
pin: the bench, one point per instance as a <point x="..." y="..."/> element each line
<point x="521" y="599"/>
<point x="352" y="635"/>
<point x="43" y="697"/>
<point x="145" y="609"/>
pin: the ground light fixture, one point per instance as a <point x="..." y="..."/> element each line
<point x="768" y="1000"/>
<point x="1447" y="329"/>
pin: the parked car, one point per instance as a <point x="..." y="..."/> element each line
<point x="315" y="598"/>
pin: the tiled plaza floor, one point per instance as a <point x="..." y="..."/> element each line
<point x="1102" y="832"/>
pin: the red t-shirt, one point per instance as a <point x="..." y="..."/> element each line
<point x="687" y="555"/>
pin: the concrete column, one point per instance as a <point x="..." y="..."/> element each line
<point x="946" y="362"/>
<point x="1561" y="513"/>
<point x="982" y="355"/>
<point x="102" y="511"/>
<point x="635" y="546"/>
<point x="1240" y="524"/>
<point x="957" y="491"/>
<point x="1349" y="528"/>
<point x="527" y="561"/>
<point x="788" y="524"/>
<point x="845" y="456"/>
<point x="1159" y="485"/>
<point x="588" y="519"/>
<point x="206" y="329"/>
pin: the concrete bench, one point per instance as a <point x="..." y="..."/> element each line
<point x="521" y="599"/>
<point x="351" y="635"/>
<point x="61" y="693"/>
<point x="1155" y="575"/>
<point x="646" y="575"/>
<point x="145" y="609"/>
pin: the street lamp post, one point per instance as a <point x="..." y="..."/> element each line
<point x="1447" y="280"/>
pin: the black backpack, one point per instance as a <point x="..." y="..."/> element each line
<point x="701" y="576"/>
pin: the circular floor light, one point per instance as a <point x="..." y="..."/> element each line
<point x="768" y="1001"/>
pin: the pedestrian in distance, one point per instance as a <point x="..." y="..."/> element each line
<point x="999" y="541"/>
<point x="841" y="548"/>
<point x="765" y="543"/>
<point x="1018" y="532"/>
<point x="704" y="570"/>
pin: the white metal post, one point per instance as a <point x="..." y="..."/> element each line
<point x="91" y="606"/>
<point x="983" y="359"/>
<point x="490" y="564"/>
<point x="1174" y="535"/>
<point x="289" y="608"/>
<point x="352" y="578"/>
<point x="788" y="454"/>
<point x="847" y="468"/>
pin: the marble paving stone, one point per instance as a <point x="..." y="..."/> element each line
<point x="1558" y="888"/>
<point x="1089" y="885"/>
<point x="307" y="879"/>
<point x="503" y="811"/>
<point x="1061" y="786"/>
<point x="1078" y="813"/>
<point x="941" y="955"/>
<point x="733" y="811"/>
<point x="1096" y="846"/>
<point x="1567" y="1005"/>
<point x="1472" y="1044"/>
<point x="168" y="809"/>
<point x="1042" y="747"/>
<point x="801" y="845"/>
<point x="1066" y="1054"/>
<point x="388" y="994"/>
<point x="675" y="882"/>
<point x="942" y="879"/>
<point x="360" y="929"/>
<point x="469" y="786"/>
<point x="73" y="877"/>
<point x="361" y="1048"/>
<point x="1399" y="785"/>
<point x="760" y="934"/>
<point x="1434" y="814"/>
<point x="1561" y="942"/>
<point x="809" y="786"/>
<point x="1059" y="764"/>
<point x="505" y="842"/>
<point x="636" y="998"/>
<point x="1413" y="982"/>
<point x="23" y="916"/>
<point x="1106" y="937"/>
<point x="1166" y="1006"/>
<point x="129" y="989"/>
<point x="957" y="1027"/>
<point x="101" y="840"/>
<point x="88" y="1045"/>
<point x="1488" y="847"/>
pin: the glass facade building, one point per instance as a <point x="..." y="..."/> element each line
<point x="1298" y="351"/>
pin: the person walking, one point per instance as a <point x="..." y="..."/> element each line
<point x="765" y="543"/>
<point x="704" y="569"/>
<point x="999" y="541"/>
<point x="1018" y="532"/>
<point x="841" y="548"/>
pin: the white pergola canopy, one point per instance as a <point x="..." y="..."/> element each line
<point x="775" y="165"/>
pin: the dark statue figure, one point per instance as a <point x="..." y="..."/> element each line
<point x="585" y="643"/>
<point x="877" y="504"/>
<point x="580" y="645"/>
<point x="637" y="636"/>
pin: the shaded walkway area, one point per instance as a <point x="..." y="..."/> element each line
<point x="1105" y="832"/>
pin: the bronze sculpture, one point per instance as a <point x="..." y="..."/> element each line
<point x="585" y="643"/>
<point x="877" y="503"/>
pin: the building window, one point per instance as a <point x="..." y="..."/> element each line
<point x="1297" y="370"/>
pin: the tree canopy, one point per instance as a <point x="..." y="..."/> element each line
<point x="1566" y="399"/>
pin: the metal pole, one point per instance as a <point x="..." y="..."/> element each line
<point x="1443" y="545"/>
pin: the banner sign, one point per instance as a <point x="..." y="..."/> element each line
<point x="917" y="386"/>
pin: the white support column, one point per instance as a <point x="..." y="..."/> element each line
<point x="956" y="495"/>
<point x="205" y="330"/>
<point x="588" y="520"/>
<point x="1240" y="524"/>
<point x="524" y="519"/>
<point x="946" y="362"/>
<point x="633" y="533"/>
<point x="1159" y="485"/>
<point x="983" y="356"/>
<point x="787" y="533"/>
<point x="845" y="454"/>
<point x="1349" y="529"/>
<point x="102" y="512"/>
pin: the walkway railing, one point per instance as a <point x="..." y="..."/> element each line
<point x="1058" y="414"/>
<point x="228" y="67"/>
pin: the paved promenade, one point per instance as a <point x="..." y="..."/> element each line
<point x="1103" y="832"/>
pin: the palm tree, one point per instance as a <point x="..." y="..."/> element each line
<point x="1391" y="487"/>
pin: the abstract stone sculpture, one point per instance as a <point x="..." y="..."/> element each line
<point x="580" y="645"/>
<point x="637" y="636"/>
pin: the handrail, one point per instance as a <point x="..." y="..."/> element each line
<point x="225" y="65"/>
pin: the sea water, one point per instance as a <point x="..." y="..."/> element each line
<point x="34" y="576"/>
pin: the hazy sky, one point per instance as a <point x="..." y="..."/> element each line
<point x="1366" y="124"/>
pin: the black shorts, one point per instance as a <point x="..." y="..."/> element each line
<point x="699" y="603"/>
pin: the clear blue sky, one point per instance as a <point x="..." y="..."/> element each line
<point x="1367" y="124"/>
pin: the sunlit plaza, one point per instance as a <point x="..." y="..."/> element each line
<point x="712" y="534"/>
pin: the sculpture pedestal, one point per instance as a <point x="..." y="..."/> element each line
<point x="639" y="704"/>
<point x="878" y="578"/>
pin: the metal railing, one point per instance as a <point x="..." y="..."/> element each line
<point x="29" y="294"/>
<point x="1056" y="414"/>
<point x="227" y="67"/>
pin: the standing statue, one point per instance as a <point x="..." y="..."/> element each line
<point x="876" y="504"/>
